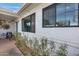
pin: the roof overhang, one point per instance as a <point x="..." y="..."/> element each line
<point x="6" y="15"/>
<point x="26" y="5"/>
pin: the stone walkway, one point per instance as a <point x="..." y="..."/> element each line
<point x="8" y="48"/>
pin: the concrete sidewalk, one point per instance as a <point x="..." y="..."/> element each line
<point x="8" y="48"/>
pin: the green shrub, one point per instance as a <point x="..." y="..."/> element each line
<point x="21" y="44"/>
<point x="62" y="50"/>
<point x="35" y="47"/>
<point x="40" y="47"/>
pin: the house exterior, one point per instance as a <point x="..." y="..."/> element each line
<point x="56" y="21"/>
<point x="41" y="18"/>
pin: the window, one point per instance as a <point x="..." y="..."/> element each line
<point x="60" y="15"/>
<point x="64" y="15"/>
<point x="16" y="26"/>
<point x="49" y="16"/>
<point x="28" y="23"/>
<point x="72" y="14"/>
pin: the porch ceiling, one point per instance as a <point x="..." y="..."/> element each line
<point x="5" y="15"/>
<point x="7" y="18"/>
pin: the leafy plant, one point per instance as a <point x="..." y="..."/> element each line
<point x="26" y="40"/>
<point x="44" y="46"/>
<point x="36" y="47"/>
<point x="62" y="50"/>
<point x="39" y="47"/>
<point x="1" y="22"/>
<point x="21" y="44"/>
<point x="52" y="47"/>
<point x="5" y="26"/>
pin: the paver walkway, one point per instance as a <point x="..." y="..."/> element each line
<point x="8" y="48"/>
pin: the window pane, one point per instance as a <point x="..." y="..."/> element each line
<point x="49" y="16"/>
<point x="29" y="23"/>
<point x="46" y="17"/>
<point x="61" y="21"/>
<point x="70" y="7"/>
<point x="73" y="17"/>
<point x="72" y="14"/>
<point x="60" y="9"/>
<point x="61" y="14"/>
<point x="23" y="29"/>
<point x="68" y="16"/>
<point x="76" y="16"/>
<point x="33" y="22"/>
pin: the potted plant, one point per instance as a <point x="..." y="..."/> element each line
<point x="5" y="26"/>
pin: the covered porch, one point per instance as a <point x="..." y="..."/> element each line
<point x="8" y="23"/>
<point x="8" y="47"/>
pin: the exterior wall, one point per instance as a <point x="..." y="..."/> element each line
<point x="68" y="35"/>
<point x="12" y="27"/>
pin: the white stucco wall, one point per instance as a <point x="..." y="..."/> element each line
<point x="11" y="29"/>
<point x="69" y="35"/>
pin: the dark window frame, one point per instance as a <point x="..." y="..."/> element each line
<point x="17" y="26"/>
<point x="23" y="30"/>
<point x="43" y="25"/>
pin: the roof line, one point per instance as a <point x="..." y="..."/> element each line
<point x="24" y="7"/>
<point x="4" y="10"/>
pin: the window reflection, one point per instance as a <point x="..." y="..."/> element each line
<point x="49" y="16"/>
<point x="61" y="14"/>
<point x="28" y="23"/>
<point x="67" y="16"/>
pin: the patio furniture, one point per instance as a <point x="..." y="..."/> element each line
<point x="2" y="35"/>
<point x="9" y="35"/>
